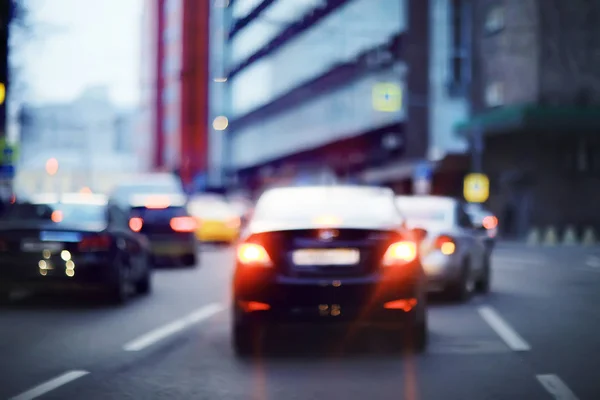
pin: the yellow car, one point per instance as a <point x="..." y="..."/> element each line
<point x="217" y="220"/>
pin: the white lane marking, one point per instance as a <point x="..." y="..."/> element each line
<point x="176" y="326"/>
<point x="515" y="260"/>
<point x="503" y="329"/>
<point x="50" y="385"/>
<point x="556" y="387"/>
<point x="593" y="262"/>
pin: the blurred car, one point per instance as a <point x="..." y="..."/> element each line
<point x="327" y="255"/>
<point x="164" y="220"/>
<point x="485" y="221"/>
<point x="453" y="254"/>
<point x="217" y="220"/>
<point x="72" y="241"/>
<point x="146" y="184"/>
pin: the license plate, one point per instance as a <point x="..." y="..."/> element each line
<point x="33" y="246"/>
<point x="168" y="250"/>
<point x="326" y="257"/>
<point x="69" y="237"/>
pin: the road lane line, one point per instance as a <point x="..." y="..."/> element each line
<point x="174" y="327"/>
<point x="50" y="385"/>
<point x="503" y="329"/>
<point x="593" y="262"/>
<point x="556" y="387"/>
<point x="515" y="260"/>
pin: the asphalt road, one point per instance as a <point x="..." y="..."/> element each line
<point x="536" y="336"/>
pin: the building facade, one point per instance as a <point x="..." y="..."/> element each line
<point x="536" y="103"/>
<point x="174" y="109"/>
<point x="343" y="89"/>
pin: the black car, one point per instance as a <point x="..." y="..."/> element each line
<point x="72" y="241"/>
<point x="331" y="254"/>
<point x="171" y="231"/>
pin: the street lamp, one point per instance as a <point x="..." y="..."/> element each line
<point x="52" y="166"/>
<point x="220" y="123"/>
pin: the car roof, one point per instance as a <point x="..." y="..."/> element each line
<point x="424" y="200"/>
<point x="70" y="198"/>
<point x="328" y="190"/>
<point x="168" y="199"/>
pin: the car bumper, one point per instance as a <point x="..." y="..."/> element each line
<point x="441" y="269"/>
<point x="87" y="271"/>
<point x="166" y="247"/>
<point x="367" y="302"/>
<point x="217" y="235"/>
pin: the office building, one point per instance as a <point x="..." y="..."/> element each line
<point x="174" y="79"/>
<point x="344" y="89"/>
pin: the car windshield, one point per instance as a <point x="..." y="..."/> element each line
<point x="308" y="205"/>
<point x="425" y="212"/>
<point x="210" y="208"/>
<point x="60" y="213"/>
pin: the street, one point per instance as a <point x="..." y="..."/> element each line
<point x="536" y="336"/>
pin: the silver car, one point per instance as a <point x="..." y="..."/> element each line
<point x="453" y="252"/>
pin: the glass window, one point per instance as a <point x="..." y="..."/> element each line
<point x="70" y="213"/>
<point x="425" y="211"/>
<point x="252" y="87"/>
<point x="309" y="205"/>
<point x="340" y="37"/>
<point x="244" y="7"/>
<point x="211" y="208"/>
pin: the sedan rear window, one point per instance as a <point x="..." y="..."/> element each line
<point x="307" y="205"/>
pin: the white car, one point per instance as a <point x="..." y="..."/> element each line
<point x="453" y="252"/>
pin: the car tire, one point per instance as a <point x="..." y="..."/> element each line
<point x="483" y="284"/>
<point x="117" y="289"/>
<point x="420" y="337"/>
<point x="4" y="297"/>
<point x="247" y="340"/>
<point x="144" y="285"/>
<point x="462" y="290"/>
<point x="189" y="260"/>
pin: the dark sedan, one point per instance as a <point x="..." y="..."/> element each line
<point x="171" y="232"/>
<point x="327" y="255"/>
<point x="73" y="241"/>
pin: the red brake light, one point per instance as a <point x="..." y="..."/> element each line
<point x="446" y="245"/>
<point x="57" y="216"/>
<point x="400" y="253"/>
<point x="253" y="254"/>
<point x="136" y="224"/>
<point x="183" y="224"/>
<point x="490" y="222"/>
<point x="95" y="243"/>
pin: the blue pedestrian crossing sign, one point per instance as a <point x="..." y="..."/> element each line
<point x="476" y="188"/>
<point x="387" y="97"/>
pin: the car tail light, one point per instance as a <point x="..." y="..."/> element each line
<point x="183" y="224"/>
<point x="95" y="243"/>
<point x="400" y="253"/>
<point x="136" y="224"/>
<point x="57" y="216"/>
<point x="234" y="223"/>
<point x="490" y="222"/>
<point x="446" y="245"/>
<point x="253" y="254"/>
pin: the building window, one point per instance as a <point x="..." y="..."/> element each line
<point x="494" y="21"/>
<point x="494" y="94"/>
<point x="459" y="48"/>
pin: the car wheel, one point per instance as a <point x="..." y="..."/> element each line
<point x="4" y="297"/>
<point x="117" y="290"/>
<point x="189" y="260"/>
<point x="483" y="284"/>
<point x="463" y="289"/>
<point x="419" y="337"/>
<point x="144" y="284"/>
<point x="245" y="340"/>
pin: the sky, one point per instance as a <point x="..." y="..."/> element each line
<point x="82" y="43"/>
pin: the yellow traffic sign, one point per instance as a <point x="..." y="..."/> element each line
<point x="2" y="92"/>
<point x="387" y="97"/>
<point x="476" y="188"/>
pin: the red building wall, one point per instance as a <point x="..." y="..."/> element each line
<point x="189" y="85"/>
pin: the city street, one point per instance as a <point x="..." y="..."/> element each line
<point x="536" y="336"/>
